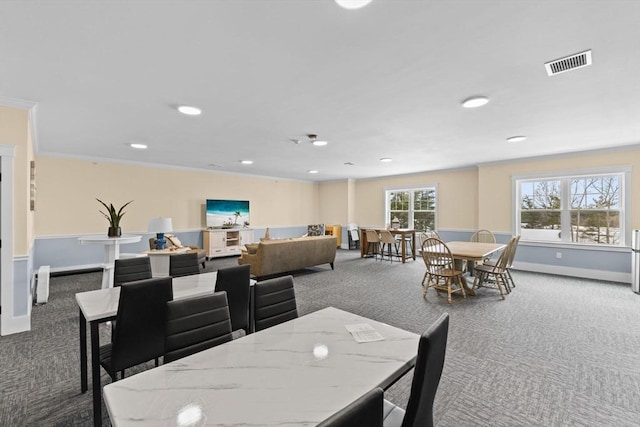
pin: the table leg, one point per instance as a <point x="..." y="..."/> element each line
<point x="95" y="374"/>
<point x="83" y="352"/>
<point x="404" y="250"/>
<point x="413" y="245"/>
<point x="467" y="289"/>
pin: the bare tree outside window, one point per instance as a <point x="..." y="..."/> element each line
<point x="585" y="209"/>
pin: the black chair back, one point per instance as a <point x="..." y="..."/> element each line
<point x="366" y="411"/>
<point x="131" y="269"/>
<point x="183" y="264"/>
<point x="140" y="322"/>
<point x="426" y="377"/>
<point x="275" y="302"/>
<point x="235" y="282"/>
<point x="196" y="324"/>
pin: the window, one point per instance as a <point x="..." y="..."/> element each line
<point x="414" y="207"/>
<point x="586" y="209"/>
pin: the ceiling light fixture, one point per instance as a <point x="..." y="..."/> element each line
<point x="352" y="4"/>
<point x="189" y="110"/>
<point x="312" y="171"/>
<point x="138" y="146"/>
<point x="475" y="101"/>
<point x="246" y="162"/>
<point x="313" y="138"/>
<point x="386" y="159"/>
<point x="516" y="138"/>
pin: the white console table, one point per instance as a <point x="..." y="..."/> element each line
<point x="111" y="252"/>
<point x="159" y="260"/>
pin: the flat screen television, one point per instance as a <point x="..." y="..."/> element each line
<point x="227" y="213"/>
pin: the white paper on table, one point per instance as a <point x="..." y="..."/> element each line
<point x="364" y="332"/>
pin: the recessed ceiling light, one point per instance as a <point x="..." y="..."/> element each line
<point x="138" y="146"/>
<point x="352" y="4"/>
<point x="516" y="138"/>
<point x="313" y="171"/>
<point x="386" y="159"/>
<point x="246" y="162"/>
<point x="189" y="110"/>
<point x="475" y="101"/>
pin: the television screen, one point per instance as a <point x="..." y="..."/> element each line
<point x="227" y="213"/>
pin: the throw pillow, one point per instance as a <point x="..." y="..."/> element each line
<point x="315" y="230"/>
<point x="174" y="240"/>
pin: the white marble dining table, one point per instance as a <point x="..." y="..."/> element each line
<point x="297" y="373"/>
<point x="101" y="305"/>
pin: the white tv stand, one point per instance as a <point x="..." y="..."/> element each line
<point x="220" y="242"/>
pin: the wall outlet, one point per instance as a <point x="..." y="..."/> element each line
<point x="558" y="255"/>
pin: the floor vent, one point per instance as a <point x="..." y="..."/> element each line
<point x="568" y="63"/>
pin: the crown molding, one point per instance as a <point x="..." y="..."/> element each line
<point x="32" y="107"/>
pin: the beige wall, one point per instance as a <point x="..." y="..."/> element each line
<point x="67" y="189"/>
<point x="495" y="206"/>
<point x="468" y="199"/>
<point x="334" y="206"/>
<point x="457" y="197"/>
<point x="14" y="130"/>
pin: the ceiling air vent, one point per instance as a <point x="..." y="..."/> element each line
<point x="568" y="63"/>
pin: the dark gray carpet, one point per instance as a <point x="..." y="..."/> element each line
<point x="557" y="352"/>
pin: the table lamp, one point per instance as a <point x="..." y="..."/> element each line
<point x="160" y="226"/>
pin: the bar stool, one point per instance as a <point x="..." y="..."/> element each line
<point x="373" y="243"/>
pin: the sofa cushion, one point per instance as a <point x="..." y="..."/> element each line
<point x="252" y="248"/>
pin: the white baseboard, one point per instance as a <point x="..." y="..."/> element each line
<point x="612" y="276"/>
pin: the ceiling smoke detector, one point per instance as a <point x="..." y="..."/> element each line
<point x="313" y="138"/>
<point x="568" y="63"/>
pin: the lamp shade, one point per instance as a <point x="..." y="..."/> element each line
<point x="160" y="225"/>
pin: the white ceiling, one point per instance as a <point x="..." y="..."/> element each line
<point x="383" y="81"/>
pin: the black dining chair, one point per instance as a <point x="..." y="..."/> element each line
<point x="196" y="324"/>
<point x="140" y="324"/>
<point x="131" y="269"/>
<point x="426" y="378"/>
<point x="235" y="281"/>
<point x="274" y="301"/>
<point x="183" y="264"/>
<point x="365" y="412"/>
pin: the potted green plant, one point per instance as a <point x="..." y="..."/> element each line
<point x="114" y="216"/>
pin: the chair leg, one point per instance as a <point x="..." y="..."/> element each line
<point x="499" y="278"/>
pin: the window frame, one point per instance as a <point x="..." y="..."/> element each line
<point x="565" y="177"/>
<point x="411" y="189"/>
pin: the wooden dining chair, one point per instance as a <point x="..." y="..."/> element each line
<point x="512" y="255"/>
<point x="196" y="324"/>
<point x="441" y="273"/>
<point x="501" y="266"/>
<point x="483" y="236"/>
<point x="426" y="378"/>
<point x="495" y="274"/>
<point x="365" y="411"/>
